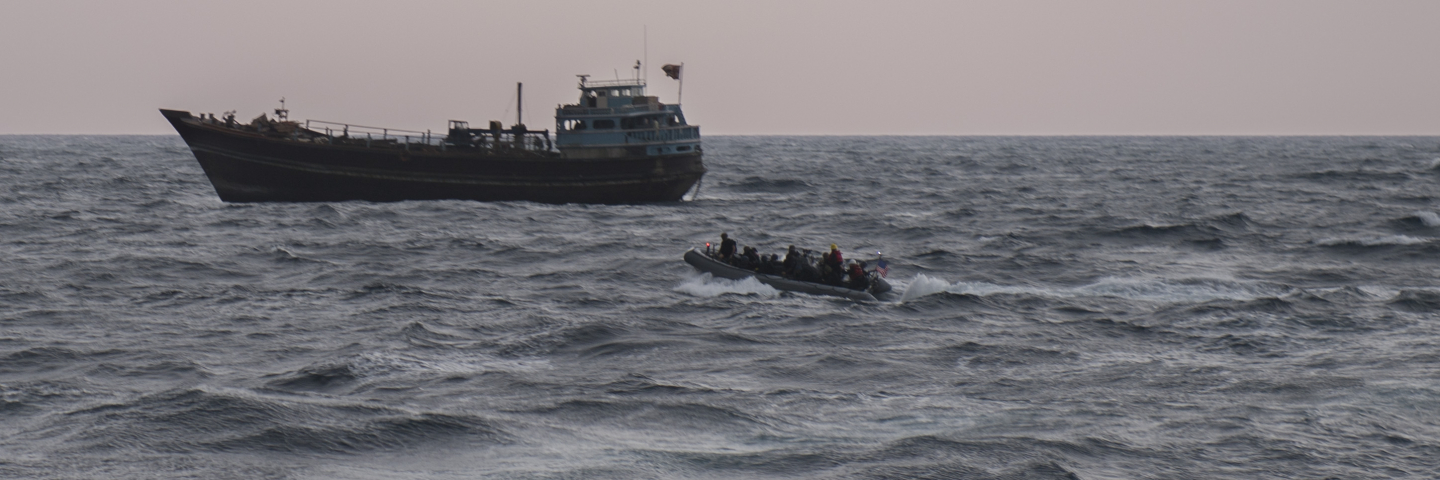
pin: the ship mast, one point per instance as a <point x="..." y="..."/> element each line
<point x="519" y="103"/>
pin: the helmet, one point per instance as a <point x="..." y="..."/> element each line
<point x="834" y="247"/>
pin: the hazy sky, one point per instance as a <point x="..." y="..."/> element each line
<point x="752" y="67"/>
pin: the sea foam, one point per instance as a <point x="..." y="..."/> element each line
<point x="1430" y="219"/>
<point x="1151" y="289"/>
<point x="706" y="285"/>
<point x="1373" y="241"/>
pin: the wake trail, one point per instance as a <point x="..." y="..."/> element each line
<point x="1144" y="289"/>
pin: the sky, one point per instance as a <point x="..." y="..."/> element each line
<point x="777" y="67"/>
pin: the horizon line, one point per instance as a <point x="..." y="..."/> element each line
<point x="887" y="134"/>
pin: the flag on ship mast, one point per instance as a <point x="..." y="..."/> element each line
<point x="671" y="70"/>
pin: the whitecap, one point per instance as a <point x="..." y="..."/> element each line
<point x="705" y="285"/>
<point x="374" y="364"/>
<point x="1142" y="289"/>
<point x="1187" y="290"/>
<point x="1430" y="219"/>
<point x="1372" y="241"/>
<point x="923" y="285"/>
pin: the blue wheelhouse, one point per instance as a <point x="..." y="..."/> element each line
<point x="615" y="118"/>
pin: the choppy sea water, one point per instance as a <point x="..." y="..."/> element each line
<point x="1086" y="307"/>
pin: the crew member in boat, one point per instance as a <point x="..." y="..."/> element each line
<point x="859" y="280"/>
<point x="805" y="270"/>
<point x="750" y="259"/>
<point x="770" y="265"/>
<point x="831" y="269"/>
<point x="792" y="260"/>
<point x="727" y="246"/>
<point x="834" y="269"/>
<point x="824" y="267"/>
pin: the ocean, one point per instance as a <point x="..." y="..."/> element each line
<point x="1065" y="307"/>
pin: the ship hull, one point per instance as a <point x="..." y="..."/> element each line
<point x="249" y="167"/>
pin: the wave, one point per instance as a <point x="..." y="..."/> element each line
<point x="40" y="359"/>
<point x="924" y="285"/>
<point x="1152" y="290"/>
<point x="384" y="433"/>
<point x="1349" y="176"/>
<point x="150" y="324"/>
<point x="777" y="185"/>
<point x="1388" y="240"/>
<point x="1427" y="218"/>
<point x="1234" y="220"/>
<point x="359" y="372"/>
<point x="1208" y="233"/>
<point x="639" y="384"/>
<point x="982" y="457"/>
<point x="229" y="420"/>
<point x="329" y="213"/>
<point x="1417" y="301"/>
<point x="706" y="285"/>
<point x="281" y="254"/>
<point x="386" y="289"/>
<point x="640" y="407"/>
<point x="972" y="353"/>
<point x="419" y="334"/>
<point x="1148" y="230"/>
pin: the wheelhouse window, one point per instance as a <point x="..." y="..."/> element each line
<point x="603" y="124"/>
<point x="647" y="121"/>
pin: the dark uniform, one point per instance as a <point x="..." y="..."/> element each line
<point x="752" y="258"/>
<point x="727" y="246"/>
<point x="792" y="261"/>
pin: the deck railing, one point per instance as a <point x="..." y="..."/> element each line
<point x="623" y="109"/>
<point x="352" y="131"/>
<point x="628" y="82"/>
<point x="382" y="136"/>
<point x="662" y="134"/>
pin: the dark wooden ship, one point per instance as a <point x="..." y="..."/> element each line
<point x="615" y="146"/>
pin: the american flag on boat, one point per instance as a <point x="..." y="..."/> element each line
<point x="882" y="267"/>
